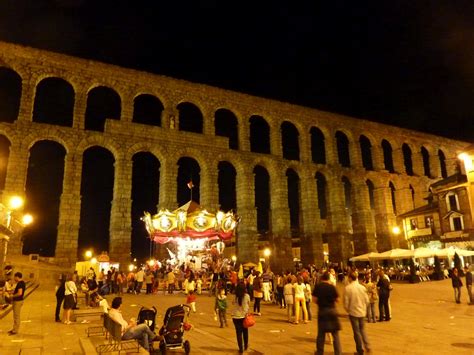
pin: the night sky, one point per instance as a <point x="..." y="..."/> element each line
<point x="408" y="63"/>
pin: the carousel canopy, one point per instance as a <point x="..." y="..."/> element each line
<point x="190" y="220"/>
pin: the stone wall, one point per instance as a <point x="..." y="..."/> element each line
<point x="123" y="138"/>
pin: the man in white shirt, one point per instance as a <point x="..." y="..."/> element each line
<point x="356" y="300"/>
<point x="130" y="330"/>
<point x="140" y="275"/>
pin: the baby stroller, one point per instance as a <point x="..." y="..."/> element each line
<point x="174" y="325"/>
<point x="147" y="316"/>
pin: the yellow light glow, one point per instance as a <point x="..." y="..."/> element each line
<point x="15" y="202"/>
<point x="463" y="156"/>
<point x="151" y="262"/>
<point x="468" y="162"/>
<point x="234" y="258"/>
<point x="88" y="254"/>
<point x="267" y="252"/>
<point x="396" y="230"/>
<point x="27" y="219"/>
<point x="94" y="261"/>
<point x="131" y="267"/>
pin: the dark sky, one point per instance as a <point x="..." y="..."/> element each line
<point x="409" y="63"/>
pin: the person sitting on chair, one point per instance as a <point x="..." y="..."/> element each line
<point x="130" y="330"/>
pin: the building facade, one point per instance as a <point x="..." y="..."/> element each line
<point x="350" y="178"/>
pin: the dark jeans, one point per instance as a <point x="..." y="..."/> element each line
<point x="360" y="336"/>
<point x="256" y="305"/>
<point x="59" y="301"/>
<point x="308" y="307"/>
<point x="336" y="343"/>
<point x="457" y="294"/>
<point x="279" y="296"/>
<point x="240" y="330"/>
<point x="138" y="289"/>
<point x="148" y="288"/>
<point x="222" y="317"/>
<point x="142" y="333"/>
<point x="384" y="310"/>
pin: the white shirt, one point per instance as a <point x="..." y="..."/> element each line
<point x="299" y="290"/>
<point x="356" y="299"/>
<point x="140" y="276"/>
<point x="116" y="315"/>
<point x="70" y="288"/>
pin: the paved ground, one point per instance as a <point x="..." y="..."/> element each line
<point x="425" y="321"/>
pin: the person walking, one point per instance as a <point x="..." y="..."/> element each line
<point x="308" y="296"/>
<point x="60" y="296"/>
<point x="149" y="282"/>
<point x="356" y="301"/>
<point x="70" y="292"/>
<point x="325" y="296"/>
<point x="257" y="294"/>
<point x="17" y="302"/>
<point x="171" y="278"/>
<point x="383" y="286"/>
<point x="457" y="285"/>
<point x="140" y="276"/>
<point x="468" y="274"/>
<point x="240" y="310"/>
<point x="289" y="297"/>
<point x="266" y="286"/>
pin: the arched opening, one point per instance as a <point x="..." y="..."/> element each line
<point x="227" y="189"/>
<point x="188" y="180"/>
<point x="262" y="198"/>
<point x="97" y="190"/>
<point x="392" y="196"/>
<point x="44" y="186"/>
<point x="54" y="102"/>
<point x="227" y="125"/>
<point x="342" y="143"/>
<point x="371" y="189"/>
<point x="407" y="160"/>
<point x="321" y="186"/>
<point x="145" y="197"/>
<point x="387" y="156"/>
<point x="366" y="152"/>
<point x="147" y="110"/>
<point x="102" y="103"/>
<point x="442" y="164"/>
<point x="10" y="95"/>
<point x="347" y="193"/>
<point x="289" y="141"/>
<point x="259" y="135"/>
<point x="318" y="149"/>
<point x="412" y="195"/>
<point x="293" y="183"/>
<point x="426" y="161"/>
<point x="4" y="155"/>
<point x="190" y="118"/>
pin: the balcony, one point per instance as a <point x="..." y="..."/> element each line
<point x="421" y="232"/>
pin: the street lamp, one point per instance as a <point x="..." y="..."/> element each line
<point x="396" y="230"/>
<point x="88" y="254"/>
<point x="267" y="252"/>
<point x="27" y="219"/>
<point x="15" y="202"/>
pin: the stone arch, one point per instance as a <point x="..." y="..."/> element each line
<point x="322" y="188"/>
<point x="189" y="170"/>
<point x="43" y="190"/>
<point x="190" y="117"/>
<point x="442" y="164"/>
<point x="226" y="181"/>
<point x="5" y="145"/>
<point x="226" y="124"/>
<point x="10" y="94"/>
<point x="259" y="135"/>
<point x="343" y="150"/>
<point x="347" y="187"/>
<point x="294" y="200"/>
<point x="55" y="135"/>
<point x="392" y="188"/>
<point x="366" y="152"/>
<point x="102" y="142"/>
<point x="262" y="198"/>
<point x="290" y="141"/>
<point x="145" y="196"/>
<point x="97" y="191"/>
<point x="371" y="189"/>
<point x="102" y="103"/>
<point x="318" y="146"/>
<point x="425" y="156"/>
<point x="407" y="159"/>
<point x="147" y="109"/>
<point x="387" y="156"/>
<point x="145" y="147"/>
<point x="54" y="102"/>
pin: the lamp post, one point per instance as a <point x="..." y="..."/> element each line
<point x="266" y="253"/>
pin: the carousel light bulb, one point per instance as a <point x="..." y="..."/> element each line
<point x="94" y="261"/>
<point x="234" y="258"/>
<point x="267" y="252"/>
<point x="151" y="262"/>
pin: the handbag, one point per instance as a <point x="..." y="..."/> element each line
<point x="249" y="321"/>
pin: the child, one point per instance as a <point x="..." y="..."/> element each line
<point x="199" y="285"/>
<point x="221" y="307"/>
<point x="191" y="300"/>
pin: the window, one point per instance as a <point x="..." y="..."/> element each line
<point x="413" y="224"/>
<point x="452" y="202"/>
<point x="429" y="222"/>
<point x="457" y="224"/>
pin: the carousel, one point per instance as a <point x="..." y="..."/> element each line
<point x="191" y="233"/>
